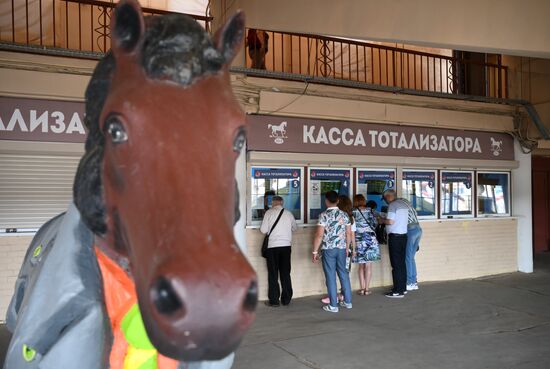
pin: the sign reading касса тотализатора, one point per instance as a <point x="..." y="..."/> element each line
<point x="291" y="134"/>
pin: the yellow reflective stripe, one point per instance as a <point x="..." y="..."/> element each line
<point x="28" y="353"/>
<point x="134" y="330"/>
<point x="140" y="359"/>
<point x="37" y="251"/>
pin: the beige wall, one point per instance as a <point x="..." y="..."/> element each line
<point x="37" y="76"/>
<point x="529" y="79"/>
<point x="44" y="76"/>
<point x="64" y="78"/>
<point x="449" y="250"/>
<point x="278" y="97"/>
<point x="514" y="27"/>
<point x="12" y="252"/>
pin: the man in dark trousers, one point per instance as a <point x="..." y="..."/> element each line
<point x="278" y="251"/>
<point x="396" y="227"/>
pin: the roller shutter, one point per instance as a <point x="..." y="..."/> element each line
<point x="34" y="188"/>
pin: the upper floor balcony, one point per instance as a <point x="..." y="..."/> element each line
<point x="379" y="64"/>
<point x="81" y="28"/>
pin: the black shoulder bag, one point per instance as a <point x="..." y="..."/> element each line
<point x="266" y="238"/>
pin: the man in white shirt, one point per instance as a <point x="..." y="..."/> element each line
<point x="396" y="227"/>
<point x="278" y="252"/>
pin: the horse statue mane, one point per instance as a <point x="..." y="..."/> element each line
<point x="175" y="48"/>
<point x="143" y="271"/>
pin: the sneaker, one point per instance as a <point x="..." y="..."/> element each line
<point x="395" y="295"/>
<point x="331" y="309"/>
<point x="347" y="306"/>
<point x="326" y="300"/>
<point x="269" y="304"/>
<point x="412" y="287"/>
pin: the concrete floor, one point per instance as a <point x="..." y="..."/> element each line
<point x="500" y="322"/>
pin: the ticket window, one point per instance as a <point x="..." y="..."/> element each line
<point x="493" y="194"/>
<point x="456" y="194"/>
<point x="268" y="182"/>
<point x="418" y="186"/>
<point x="372" y="183"/>
<point x="321" y="181"/>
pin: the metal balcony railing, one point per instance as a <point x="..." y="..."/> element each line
<point x="81" y="25"/>
<point x="331" y="57"/>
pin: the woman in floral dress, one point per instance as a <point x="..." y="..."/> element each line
<point x="367" y="249"/>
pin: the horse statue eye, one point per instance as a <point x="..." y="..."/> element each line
<point x="116" y="131"/>
<point x="239" y="141"/>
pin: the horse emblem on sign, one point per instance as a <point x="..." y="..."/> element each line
<point x="496" y="146"/>
<point x="278" y="132"/>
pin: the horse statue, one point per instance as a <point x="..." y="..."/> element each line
<point x="143" y="271"/>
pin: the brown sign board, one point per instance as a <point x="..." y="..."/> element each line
<point x="307" y="135"/>
<point x="42" y="120"/>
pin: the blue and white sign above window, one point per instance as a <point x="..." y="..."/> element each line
<point x="323" y="180"/>
<point x="372" y="183"/>
<point x="268" y="182"/>
<point x="419" y="187"/>
<point x="456" y="194"/>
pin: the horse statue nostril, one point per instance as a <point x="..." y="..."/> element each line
<point x="251" y="298"/>
<point x="165" y="298"/>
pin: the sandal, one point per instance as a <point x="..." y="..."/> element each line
<point x="361" y="292"/>
<point x="367" y="292"/>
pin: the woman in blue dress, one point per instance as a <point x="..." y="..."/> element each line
<point x="367" y="249"/>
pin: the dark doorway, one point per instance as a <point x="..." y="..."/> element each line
<point x="470" y="72"/>
<point x="541" y="203"/>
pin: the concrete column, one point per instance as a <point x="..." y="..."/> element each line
<point x="239" y="229"/>
<point x="399" y="179"/>
<point x="522" y="209"/>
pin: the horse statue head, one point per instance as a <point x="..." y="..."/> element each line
<point x="156" y="183"/>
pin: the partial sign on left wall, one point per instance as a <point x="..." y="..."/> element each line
<point x="42" y="120"/>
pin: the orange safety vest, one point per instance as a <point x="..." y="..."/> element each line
<point x="131" y="347"/>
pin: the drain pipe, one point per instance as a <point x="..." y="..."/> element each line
<point x="529" y="108"/>
<point x="535" y="118"/>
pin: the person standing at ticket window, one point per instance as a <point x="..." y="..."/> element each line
<point x="278" y="252"/>
<point x="414" y="233"/>
<point x="333" y="236"/>
<point x="396" y="227"/>
<point x="344" y="204"/>
<point x="368" y="249"/>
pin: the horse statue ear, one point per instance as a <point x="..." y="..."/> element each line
<point x="127" y="27"/>
<point x="229" y="38"/>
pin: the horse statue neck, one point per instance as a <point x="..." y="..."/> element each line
<point x="73" y="304"/>
<point x="131" y="347"/>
